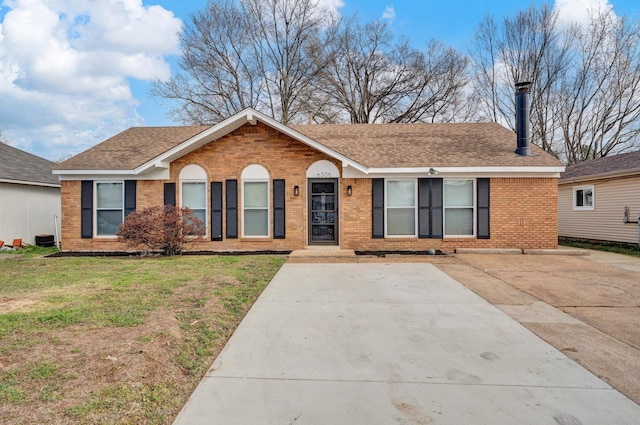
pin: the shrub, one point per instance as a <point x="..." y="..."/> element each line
<point x="168" y="229"/>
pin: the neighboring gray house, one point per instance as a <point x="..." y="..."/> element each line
<point x="29" y="196"/>
<point x="600" y="199"/>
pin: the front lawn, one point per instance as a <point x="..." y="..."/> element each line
<point x="617" y="247"/>
<point x="116" y="340"/>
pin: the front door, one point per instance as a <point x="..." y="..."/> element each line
<point x="323" y="211"/>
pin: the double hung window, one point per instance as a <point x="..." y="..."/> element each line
<point x="255" y="201"/>
<point x="193" y="191"/>
<point x="401" y="211"/>
<point x="109" y="207"/>
<point x="459" y="207"/>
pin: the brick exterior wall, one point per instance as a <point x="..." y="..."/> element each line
<point x="523" y="210"/>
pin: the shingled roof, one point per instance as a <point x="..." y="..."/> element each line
<point x="22" y="167"/>
<point x="372" y="146"/>
<point x="131" y="148"/>
<point x="435" y="145"/>
<point x="606" y="166"/>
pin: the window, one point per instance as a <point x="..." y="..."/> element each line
<point x="193" y="191"/>
<point x="194" y="196"/>
<point x="255" y="201"/>
<point x="459" y="209"/>
<point x="109" y="207"/>
<point x="401" y="208"/>
<point x="583" y="198"/>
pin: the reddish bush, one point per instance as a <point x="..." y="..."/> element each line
<point x="167" y="229"/>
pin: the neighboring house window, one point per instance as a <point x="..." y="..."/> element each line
<point x="401" y="211"/>
<point x="109" y="207"/>
<point x="193" y="191"/>
<point x="459" y="207"/>
<point x="255" y="201"/>
<point x="583" y="198"/>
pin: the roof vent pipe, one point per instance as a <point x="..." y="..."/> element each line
<point x="522" y="118"/>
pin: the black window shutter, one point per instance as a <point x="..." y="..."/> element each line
<point x="430" y="208"/>
<point x="424" y="208"/>
<point x="483" y="208"/>
<point x="86" y="207"/>
<point x="377" y="204"/>
<point x="170" y="194"/>
<point x="216" y="211"/>
<point x="279" y="222"/>
<point x="232" y="208"/>
<point x="129" y="197"/>
<point x="436" y="203"/>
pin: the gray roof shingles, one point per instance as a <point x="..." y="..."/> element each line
<point x="20" y="166"/>
<point x="621" y="163"/>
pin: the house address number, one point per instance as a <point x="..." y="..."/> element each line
<point x="324" y="174"/>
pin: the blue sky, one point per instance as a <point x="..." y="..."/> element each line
<point x="75" y="72"/>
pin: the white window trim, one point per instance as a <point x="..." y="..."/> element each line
<point x="575" y="198"/>
<point x="415" y="207"/>
<point x="473" y="207"/>
<point x="262" y="180"/>
<point x="206" y="201"/>
<point x="194" y="173"/>
<point x="96" y="209"/>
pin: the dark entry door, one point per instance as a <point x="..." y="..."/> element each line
<point x="323" y="211"/>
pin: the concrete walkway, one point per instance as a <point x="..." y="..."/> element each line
<point x="392" y="344"/>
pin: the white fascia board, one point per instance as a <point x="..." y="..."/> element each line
<point x="147" y="171"/>
<point x="505" y="172"/>
<point x="28" y="183"/>
<point x="102" y="175"/>
<point x="234" y="122"/>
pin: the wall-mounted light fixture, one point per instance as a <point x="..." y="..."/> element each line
<point x="433" y="171"/>
<point x="349" y="190"/>
<point x="296" y="191"/>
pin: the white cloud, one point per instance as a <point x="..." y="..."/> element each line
<point x="578" y="11"/>
<point x="333" y="5"/>
<point x="389" y="14"/>
<point x="65" y="67"/>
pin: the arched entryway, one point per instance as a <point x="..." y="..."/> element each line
<point x="322" y="187"/>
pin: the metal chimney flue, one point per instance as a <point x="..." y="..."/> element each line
<point x="522" y="118"/>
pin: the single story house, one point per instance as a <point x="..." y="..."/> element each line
<point x="260" y="185"/>
<point x="29" y="196"/>
<point x="600" y="199"/>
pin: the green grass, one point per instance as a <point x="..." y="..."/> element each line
<point x="617" y="247"/>
<point x="30" y="251"/>
<point x="170" y="317"/>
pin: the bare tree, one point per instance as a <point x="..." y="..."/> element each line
<point x="3" y="139"/>
<point x="251" y="53"/>
<point x="527" y="47"/>
<point x="585" y="96"/>
<point x="600" y="96"/>
<point x="371" y="76"/>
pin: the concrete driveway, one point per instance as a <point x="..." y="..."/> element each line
<point x="392" y="344"/>
<point x="586" y="306"/>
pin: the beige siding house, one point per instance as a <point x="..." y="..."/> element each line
<point x="600" y="199"/>
<point x="29" y="196"/>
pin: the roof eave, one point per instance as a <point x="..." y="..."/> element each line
<point x="30" y="183"/>
<point x="231" y="124"/>
<point x="496" y="171"/>
<point x="601" y="176"/>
